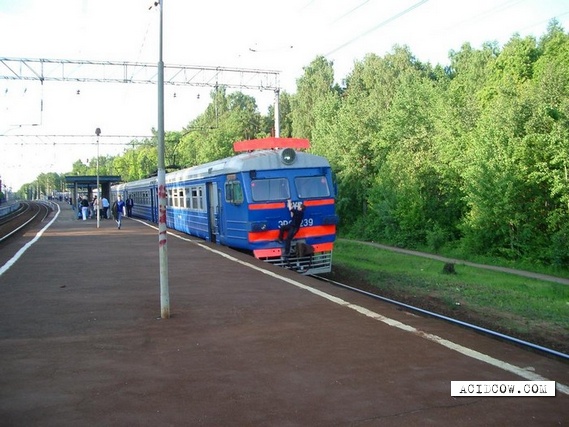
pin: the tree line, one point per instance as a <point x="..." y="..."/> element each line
<point x="471" y="157"/>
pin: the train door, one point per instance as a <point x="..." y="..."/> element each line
<point x="213" y="211"/>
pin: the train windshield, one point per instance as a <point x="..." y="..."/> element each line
<point x="312" y="186"/>
<point x="270" y="189"/>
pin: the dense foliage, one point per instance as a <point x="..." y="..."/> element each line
<point x="472" y="157"/>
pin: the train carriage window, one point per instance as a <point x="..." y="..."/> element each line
<point x="233" y="192"/>
<point x="175" y="198"/>
<point x="312" y="186"/>
<point x="201" y="198"/>
<point x="189" y="197"/>
<point x="270" y="189"/>
<point x="195" y="199"/>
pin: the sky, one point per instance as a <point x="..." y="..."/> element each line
<point x="47" y="127"/>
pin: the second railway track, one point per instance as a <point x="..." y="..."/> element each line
<point x="28" y="214"/>
<point x="485" y="331"/>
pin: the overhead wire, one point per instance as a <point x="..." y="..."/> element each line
<point x="559" y="15"/>
<point x="349" y="12"/>
<point x="484" y="14"/>
<point x="41" y="140"/>
<point x="381" y="24"/>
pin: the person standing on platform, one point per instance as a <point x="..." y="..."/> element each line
<point x="106" y="205"/>
<point x="129" y="205"/>
<point x="95" y="206"/>
<point x="119" y="209"/>
<point x="84" y="208"/>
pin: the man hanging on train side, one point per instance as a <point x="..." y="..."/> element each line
<point x="297" y="215"/>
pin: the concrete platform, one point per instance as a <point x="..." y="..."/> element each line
<point x="247" y="344"/>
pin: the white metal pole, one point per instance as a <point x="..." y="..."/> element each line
<point x="277" y="115"/>
<point x="98" y="132"/>
<point x="162" y="195"/>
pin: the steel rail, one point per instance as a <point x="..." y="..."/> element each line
<point x="24" y="224"/>
<point x="485" y="331"/>
<point x="22" y="209"/>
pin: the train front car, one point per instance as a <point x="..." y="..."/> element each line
<point x="277" y="172"/>
<point x="241" y="202"/>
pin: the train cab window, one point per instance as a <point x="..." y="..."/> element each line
<point x="233" y="192"/>
<point x="270" y="189"/>
<point x="312" y="186"/>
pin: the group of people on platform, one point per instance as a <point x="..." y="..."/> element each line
<point x="87" y="210"/>
<point x="121" y="208"/>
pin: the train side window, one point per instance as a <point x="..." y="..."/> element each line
<point x="312" y="186"/>
<point x="195" y="198"/>
<point x="201" y="198"/>
<point x="270" y="189"/>
<point x="177" y="196"/>
<point x="233" y="192"/>
<point x="190" y="197"/>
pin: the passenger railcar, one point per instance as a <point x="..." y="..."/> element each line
<point x="241" y="201"/>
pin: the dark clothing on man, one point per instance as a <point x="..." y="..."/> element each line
<point x="118" y="209"/>
<point x="129" y="205"/>
<point x="291" y="228"/>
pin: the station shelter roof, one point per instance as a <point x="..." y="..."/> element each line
<point x="88" y="180"/>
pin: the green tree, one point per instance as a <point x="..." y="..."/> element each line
<point x="316" y="85"/>
<point x="285" y="117"/>
<point x="514" y="165"/>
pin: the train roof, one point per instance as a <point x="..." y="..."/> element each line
<point x="286" y="158"/>
<point x="146" y="182"/>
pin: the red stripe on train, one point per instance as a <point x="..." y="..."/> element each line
<point x="261" y="206"/>
<point x="318" y="202"/>
<point x="269" y="143"/>
<point x="277" y="252"/>
<point x="279" y="205"/>
<point x="316" y="231"/>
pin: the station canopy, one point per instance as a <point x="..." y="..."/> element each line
<point x="87" y="183"/>
<point x="91" y="180"/>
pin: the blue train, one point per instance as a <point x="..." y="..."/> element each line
<point x="241" y="202"/>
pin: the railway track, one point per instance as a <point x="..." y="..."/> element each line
<point x="485" y="331"/>
<point x="32" y="213"/>
<point x="28" y="215"/>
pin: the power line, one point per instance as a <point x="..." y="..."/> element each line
<point x="543" y="21"/>
<point x="351" y="11"/>
<point x="381" y="24"/>
<point x="486" y="13"/>
<point x="76" y="136"/>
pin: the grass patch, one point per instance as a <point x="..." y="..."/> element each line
<point x="530" y="309"/>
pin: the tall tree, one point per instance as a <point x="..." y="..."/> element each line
<point x="314" y="87"/>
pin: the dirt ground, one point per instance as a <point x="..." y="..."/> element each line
<point x="247" y="344"/>
<point x="542" y="335"/>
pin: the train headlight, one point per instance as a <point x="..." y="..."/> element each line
<point x="288" y="156"/>
<point x="258" y="226"/>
